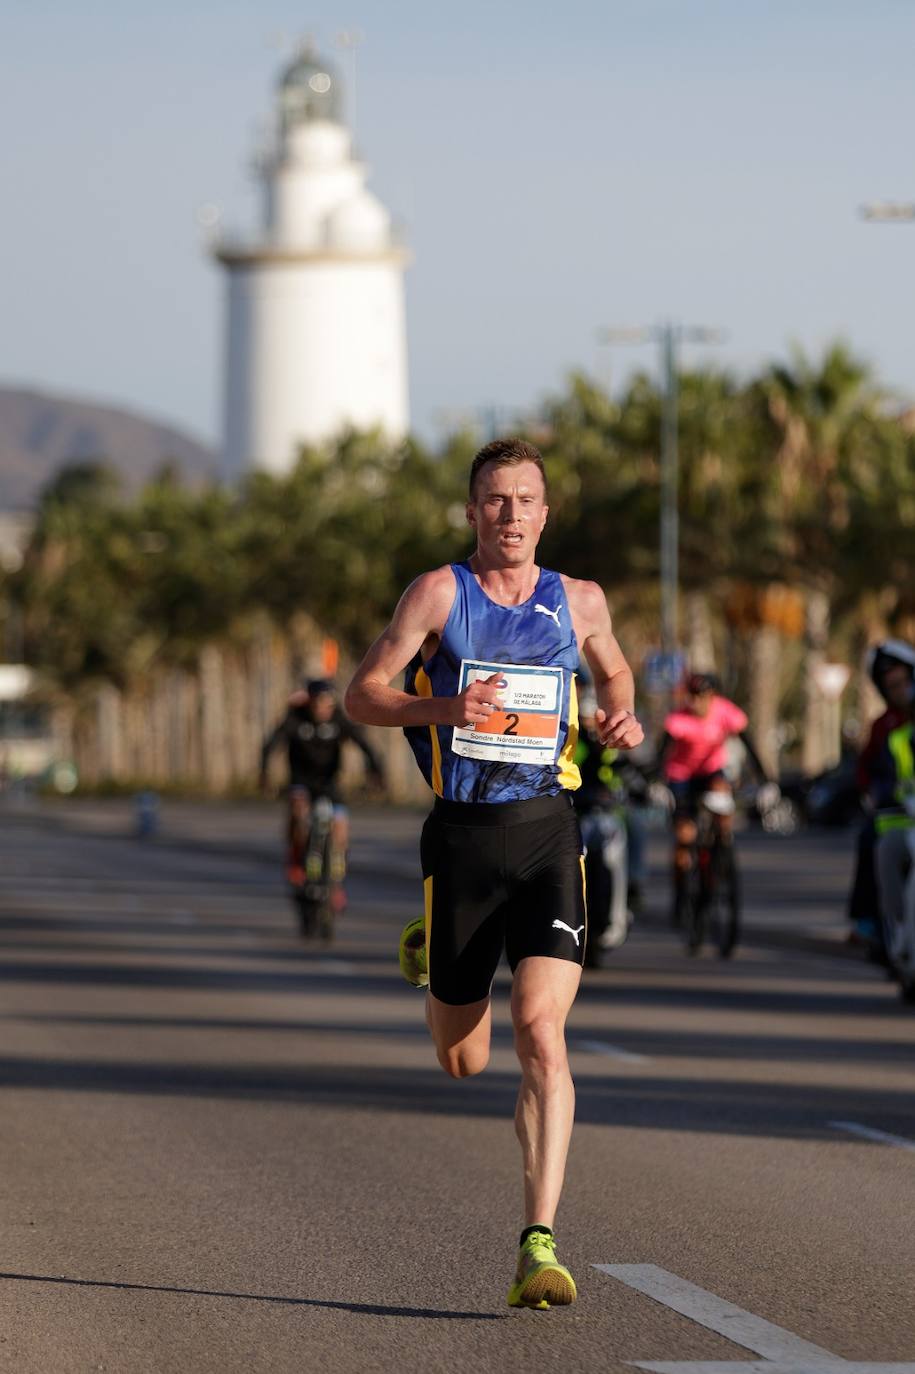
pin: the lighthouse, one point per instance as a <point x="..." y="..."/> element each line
<point x="316" y="338"/>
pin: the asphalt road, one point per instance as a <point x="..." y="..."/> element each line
<point x="223" y="1151"/>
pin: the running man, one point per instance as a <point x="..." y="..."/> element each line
<point x="490" y="648"/>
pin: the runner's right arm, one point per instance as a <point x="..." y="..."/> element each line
<point x="421" y="612"/>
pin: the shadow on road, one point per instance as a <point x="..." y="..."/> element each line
<point x="360" y="1308"/>
<point x="724" y="1106"/>
<point x="673" y="1044"/>
<point x="876" y="1000"/>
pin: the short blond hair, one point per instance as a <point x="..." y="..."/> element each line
<point x="506" y="453"/>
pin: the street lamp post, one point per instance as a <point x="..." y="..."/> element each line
<point x="669" y="336"/>
<point x="670" y="506"/>
<point x="888" y="211"/>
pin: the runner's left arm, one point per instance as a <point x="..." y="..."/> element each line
<point x="614" y="685"/>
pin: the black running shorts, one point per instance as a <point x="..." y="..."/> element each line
<point x="500" y="875"/>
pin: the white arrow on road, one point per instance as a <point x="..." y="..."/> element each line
<point x="832" y="1366"/>
<point x="782" y="1351"/>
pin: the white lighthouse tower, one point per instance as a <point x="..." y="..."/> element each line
<point x="316" y="334"/>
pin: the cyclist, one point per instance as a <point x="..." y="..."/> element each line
<point x="692" y="757"/>
<point x="891" y="666"/>
<point x="313" y="732"/>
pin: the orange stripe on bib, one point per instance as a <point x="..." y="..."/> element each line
<point x="529" y="725"/>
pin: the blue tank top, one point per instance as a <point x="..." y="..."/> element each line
<point x="527" y="747"/>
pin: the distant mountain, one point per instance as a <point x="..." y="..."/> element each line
<point x="40" y="433"/>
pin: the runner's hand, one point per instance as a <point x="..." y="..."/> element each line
<point x="619" y="731"/>
<point x="478" y="701"/>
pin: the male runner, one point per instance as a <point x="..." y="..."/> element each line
<point x="490" y="648"/>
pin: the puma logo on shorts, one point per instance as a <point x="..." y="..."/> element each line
<point x="561" y="925"/>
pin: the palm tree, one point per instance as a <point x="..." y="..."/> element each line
<point x="818" y="416"/>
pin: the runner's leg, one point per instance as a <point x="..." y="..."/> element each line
<point x="464" y="938"/>
<point x="461" y="1035"/>
<point x="542" y="994"/>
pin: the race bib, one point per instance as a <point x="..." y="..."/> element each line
<point x="525" y="728"/>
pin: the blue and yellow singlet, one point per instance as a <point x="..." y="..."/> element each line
<point x="526" y="748"/>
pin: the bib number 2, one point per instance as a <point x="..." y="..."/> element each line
<point x="525" y="727"/>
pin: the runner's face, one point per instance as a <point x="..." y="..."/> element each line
<point x="508" y="512"/>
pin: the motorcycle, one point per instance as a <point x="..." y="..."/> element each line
<point x="901" y="941"/>
<point x="606" y="821"/>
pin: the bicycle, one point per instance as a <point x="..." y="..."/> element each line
<point x="713" y="905"/>
<point x="314" y="896"/>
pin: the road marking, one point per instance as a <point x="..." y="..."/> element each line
<point x="869" y="1133"/>
<point x="613" y="1051"/>
<point x="743" y="1328"/>
<point x="833" y="1366"/>
<point x="782" y="1351"/>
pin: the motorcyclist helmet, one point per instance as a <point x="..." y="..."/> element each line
<point x="891" y="653"/>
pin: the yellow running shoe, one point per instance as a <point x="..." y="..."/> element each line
<point x="540" y="1279"/>
<point x="413" y="963"/>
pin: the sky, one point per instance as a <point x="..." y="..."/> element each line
<point x="556" y="169"/>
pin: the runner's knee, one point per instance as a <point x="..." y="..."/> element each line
<point x="540" y="1044"/>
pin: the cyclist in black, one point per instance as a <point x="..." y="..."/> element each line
<point x="313" y="732"/>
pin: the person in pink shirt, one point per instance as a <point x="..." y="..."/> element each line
<point x="692" y="758"/>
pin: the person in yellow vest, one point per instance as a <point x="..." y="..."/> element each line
<point x="895" y="824"/>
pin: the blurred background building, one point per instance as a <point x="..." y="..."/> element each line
<point x="316" y="339"/>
